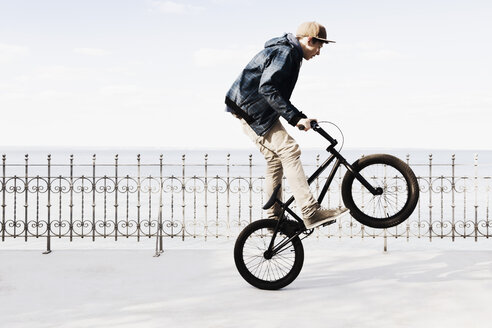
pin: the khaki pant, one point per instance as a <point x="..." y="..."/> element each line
<point x="282" y="154"/>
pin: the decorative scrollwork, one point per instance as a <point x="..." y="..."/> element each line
<point x="15" y="185"/>
<point x="424" y="185"/>
<point x="14" y="228"/>
<point x="172" y="228"/>
<point x="172" y="185"/>
<point x="60" y="185"/>
<point x="105" y="185"/>
<point x="442" y="228"/>
<point x="194" y="185"/>
<point x="150" y="185"/>
<point x="105" y="227"/>
<point x="258" y="185"/>
<point x="148" y="227"/>
<point x="194" y="228"/>
<point x="82" y="185"/>
<point x="127" y="185"/>
<point x="461" y="185"/>
<point x="349" y="227"/>
<point x="37" y="185"/>
<point x="60" y="228"/>
<point x="217" y="185"/>
<point x="464" y="228"/>
<point x="37" y="228"/>
<point x="484" y="227"/>
<point x="82" y="228"/>
<point x="441" y="185"/>
<point x="127" y="228"/>
<point x="239" y="185"/>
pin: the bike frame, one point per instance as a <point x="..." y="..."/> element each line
<point x="340" y="160"/>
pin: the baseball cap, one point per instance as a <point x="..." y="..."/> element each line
<point x="313" y="29"/>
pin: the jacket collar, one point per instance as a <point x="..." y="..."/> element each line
<point x="293" y="40"/>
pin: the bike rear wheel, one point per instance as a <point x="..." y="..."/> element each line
<point x="400" y="191"/>
<point x="259" y="270"/>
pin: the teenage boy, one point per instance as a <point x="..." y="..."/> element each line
<point x="260" y="96"/>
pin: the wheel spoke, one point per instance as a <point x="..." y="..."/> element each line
<point x="394" y="187"/>
<point x="274" y="269"/>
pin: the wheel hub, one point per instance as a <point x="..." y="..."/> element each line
<point x="268" y="255"/>
<point x="379" y="191"/>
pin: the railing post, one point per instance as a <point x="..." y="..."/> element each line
<point x="453" y="204"/>
<point x="158" y="241"/>
<point x="149" y="222"/>
<point x="441" y="191"/>
<point x="430" y="197"/>
<point x="37" y="206"/>
<point x="116" y="197"/>
<point x="475" y="160"/>
<point x="316" y="188"/>
<point x="48" y="237"/>
<point x="385" y="241"/>
<point x="340" y="204"/>
<point x="4" y="158"/>
<point x="93" y="197"/>
<point x="250" y="188"/>
<point x="239" y="199"/>
<point x="228" y="199"/>
<point x="138" y="197"/>
<point x="487" y="207"/>
<point x="161" y="228"/>
<point x="183" y="198"/>
<point x="26" y="197"/>
<point x="60" y="207"/>
<point x="465" y="190"/>
<point x="205" y="205"/>
<point x="15" y="206"/>
<point x="71" y="197"/>
<point x="408" y="221"/>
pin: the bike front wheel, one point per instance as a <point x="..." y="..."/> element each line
<point x="261" y="270"/>
<point x="400" y="191"/>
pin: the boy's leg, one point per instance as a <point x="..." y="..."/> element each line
<point x="273" y="177"/>
<point x="274" y="171"/>
<point x="285" y="148"/>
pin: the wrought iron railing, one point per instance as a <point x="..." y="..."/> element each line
<point x="208" y="200"/>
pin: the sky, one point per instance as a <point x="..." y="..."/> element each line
<point x="107" y="73"/>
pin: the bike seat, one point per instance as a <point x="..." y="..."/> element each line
<point x="273" y="197"/>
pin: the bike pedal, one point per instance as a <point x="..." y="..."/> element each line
<point x="328" y="223"/>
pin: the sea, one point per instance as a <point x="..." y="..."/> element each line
<point x="221" y="162"/>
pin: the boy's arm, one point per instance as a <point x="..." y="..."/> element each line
<point x="277" y="72"/>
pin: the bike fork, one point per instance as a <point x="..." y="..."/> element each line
<point x="375" y="191"/>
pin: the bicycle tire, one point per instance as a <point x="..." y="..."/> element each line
<point x="400" y="191"/>
<point x="262" y="273"/>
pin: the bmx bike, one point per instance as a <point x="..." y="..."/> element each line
<point x="380" y="191"/>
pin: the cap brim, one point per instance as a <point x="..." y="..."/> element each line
<point x="324" y="40"/>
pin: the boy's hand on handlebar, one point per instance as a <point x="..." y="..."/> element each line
<point x="305" y="123"/>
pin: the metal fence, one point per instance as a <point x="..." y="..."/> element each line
<point x="209" y="200"/>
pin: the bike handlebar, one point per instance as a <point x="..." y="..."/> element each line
<point x="315" y="126"/>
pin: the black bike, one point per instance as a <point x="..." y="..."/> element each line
<point x="380" y="191"/>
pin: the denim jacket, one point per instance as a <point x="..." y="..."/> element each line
<point x="262" y="91"/>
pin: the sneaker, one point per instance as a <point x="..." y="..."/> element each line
<point x="323" y="216"/>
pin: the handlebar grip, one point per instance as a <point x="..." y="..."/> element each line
<point x="313" y="124"/>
